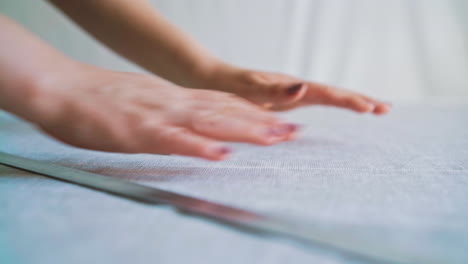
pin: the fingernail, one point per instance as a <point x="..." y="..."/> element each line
<point x="224" y="150"/>
<point x="293" y="127"/>
<point x="294" y="89"/>
<point x="282" y="130"/>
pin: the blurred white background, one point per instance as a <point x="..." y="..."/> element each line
<point x="401" y="50"/>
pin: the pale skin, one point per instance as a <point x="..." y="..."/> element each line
<point x="196" y="105"/>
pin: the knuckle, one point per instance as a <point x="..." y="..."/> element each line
<point x="324" y="89"/>
<point x="164" y="140"/>
<point x="206" y="117"/>
<point x="133" y="117"/>
<point x="146" y="125"/>
<point x="352" y="101"/>
<point x="174" y="132"/>
<point x="252" y="78"/>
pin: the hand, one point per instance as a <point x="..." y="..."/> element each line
<point x="127" y="112"/>
<point x="281" y="92"/>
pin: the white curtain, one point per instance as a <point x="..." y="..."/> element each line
<point x="404" y="50"/>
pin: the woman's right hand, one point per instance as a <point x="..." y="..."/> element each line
<point x="97" y="109"/>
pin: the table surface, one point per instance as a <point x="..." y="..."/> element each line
<point x="404" y="171"/>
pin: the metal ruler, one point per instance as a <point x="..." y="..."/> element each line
<point x="351" y="241"/>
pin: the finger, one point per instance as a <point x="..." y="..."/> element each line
<point x="277" y="93"/>
<point x="182" y="141"/>
<point x="326" y="95"/>
<point x="380" y="107"/>
<point x="250" y="112"/>
<point x="289" y="94"/>
<point x="352" y="102"/>
<point x="234" y="126"/>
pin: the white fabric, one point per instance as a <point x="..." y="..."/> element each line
<point x="406" y="172"/>
<point x="410" y="50"/>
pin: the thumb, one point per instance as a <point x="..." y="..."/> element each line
<point x="294" y="93"/>
<point x="286" y="96"/>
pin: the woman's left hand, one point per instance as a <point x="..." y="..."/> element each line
<point x="280" y="92"/>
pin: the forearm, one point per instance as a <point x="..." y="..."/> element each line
<point x="135" y="30"/>
<point x="25" y="63"/>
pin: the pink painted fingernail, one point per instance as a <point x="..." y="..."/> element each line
<point x="282" y="130"/>
<point x="224" y="150"/>
<point x="293" y="127"/>
<point x="294" y="89"/>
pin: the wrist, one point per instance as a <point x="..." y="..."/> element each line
<point x="210" y="76"/>
<point x="18" y="93"/>
<point x="32" y="96"/>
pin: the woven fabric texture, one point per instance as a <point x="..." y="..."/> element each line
<point x="405" y="171"/>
